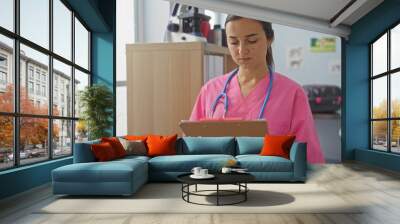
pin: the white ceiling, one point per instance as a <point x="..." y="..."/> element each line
<point x="321" y="9"/>
<point x="314" y="15"/>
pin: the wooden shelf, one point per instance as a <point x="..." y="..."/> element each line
<point x="163" y="81"/>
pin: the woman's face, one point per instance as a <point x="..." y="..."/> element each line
<point x="247" y="42"/>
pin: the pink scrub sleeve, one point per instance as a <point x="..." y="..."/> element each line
<point x="199" y="110"/>
<point x="303" y="127"/>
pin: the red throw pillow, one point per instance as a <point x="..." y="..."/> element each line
<point x="116" y="145"/>
<point x="277" y="145"/>
<point x="103" y="151"/>
<point x="161" y="145"/>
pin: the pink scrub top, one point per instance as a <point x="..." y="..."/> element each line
<point x="286" y="112"/>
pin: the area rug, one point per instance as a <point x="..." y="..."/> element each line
<point x="167" y="198"/>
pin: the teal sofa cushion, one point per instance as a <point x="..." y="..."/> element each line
<point x="257" y="163"/>
<point x="249" y="145"/>
<point x="207" y="145"/>
<point x="185" y="163"/>
<point x="83" y="152"/>
<point x="111" y="171"/>
<point x="129" y="159"/>
<point x="117" y="177"/>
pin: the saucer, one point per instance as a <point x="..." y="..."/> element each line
<point x="240" y="171"/>
<point x="208" y="176"/>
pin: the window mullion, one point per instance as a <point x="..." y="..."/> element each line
<point x="73" y="82"/>
<point x="17" y="72"/>
<point x="50" y="81"/>
<point x="16" y="84"/>
<point x="389" y="106"/>
<point x="370" y="98"/>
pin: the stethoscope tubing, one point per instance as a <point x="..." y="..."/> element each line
<point x="225" y="96"/>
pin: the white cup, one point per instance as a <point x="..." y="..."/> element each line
<point x="226" y="170"/>
<point x="196" y="170"/>
<point x="203" y="172"/>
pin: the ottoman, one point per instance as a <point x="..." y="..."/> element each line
<point x="119" y="177"/>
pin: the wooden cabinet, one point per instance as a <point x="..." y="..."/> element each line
<point x="163" y="81"/>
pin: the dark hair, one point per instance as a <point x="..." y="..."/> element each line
<point x="269" y="33"/>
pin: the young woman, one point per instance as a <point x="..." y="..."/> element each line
<point x="255" y="91"/>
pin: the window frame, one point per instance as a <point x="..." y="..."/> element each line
<point x="388" y="74"/>
<point x="16" y="114"/>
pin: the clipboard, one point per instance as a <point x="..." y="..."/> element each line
<point x="213" y="128"/>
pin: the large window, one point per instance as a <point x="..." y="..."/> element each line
<point x="385" y="91"/>
<point x="40" y="80"/>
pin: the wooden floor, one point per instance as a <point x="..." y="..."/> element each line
<point x="378" y="188"/>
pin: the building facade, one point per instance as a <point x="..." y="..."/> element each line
<point x="34" y="80"/>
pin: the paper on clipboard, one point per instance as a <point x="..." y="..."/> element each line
<point x="210" y="128"/>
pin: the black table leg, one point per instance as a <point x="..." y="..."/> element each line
<point x="217" y="194"/>
<point x="182" y="190"/>
<point x="245" y="193"/>
<point x="189" y="192"/>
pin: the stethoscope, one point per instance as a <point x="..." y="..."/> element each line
<point x="225" y="96"/>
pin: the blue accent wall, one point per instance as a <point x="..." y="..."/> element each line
<point x="91" y="12"/>
<point x="356" y="77"/>
<point x="99" y="16"/>
<point x="104" y="52"/>
<point x="24" y="178"/>
<point x="103" y="68"/>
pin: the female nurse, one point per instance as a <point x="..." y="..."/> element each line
<point x="255" y="91"/>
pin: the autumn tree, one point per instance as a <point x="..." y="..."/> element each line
<point x="6" y="122"/>
<point x="380" y="127"/>
<point x="33" y="131"/>
<point x="396" y="123"/>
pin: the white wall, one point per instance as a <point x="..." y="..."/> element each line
<point x="156" y="15"/>
<point x="125" y="34"/>
<point x="315" y="68"/>
<point x="151" y="17"/>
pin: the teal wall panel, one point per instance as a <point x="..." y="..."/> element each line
<point x="102" y="59"/>
<point x="103" y="66"/>
<point x="356" y="99"/>
<point x="24" y="178"/>
<point x="380" y="159"/>
<point x="357" y="84"/>
<point x="91" y="13"/>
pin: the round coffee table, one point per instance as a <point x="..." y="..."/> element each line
<point x="238" y="179"/>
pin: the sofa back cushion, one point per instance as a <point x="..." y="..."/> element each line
<point x="249" y="145"/>
<point x="206" y="145"/>
<point x="83" y="152"/>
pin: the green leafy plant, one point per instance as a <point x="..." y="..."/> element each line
<point x="96" y="102"/>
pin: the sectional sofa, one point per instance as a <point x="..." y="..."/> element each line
<point x="125" y="176"/>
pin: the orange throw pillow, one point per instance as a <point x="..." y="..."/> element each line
<point x="103" y="152"/>
<point x="277" y="145"/>
<point x="116" y="145"/>
<point x="135" y="138"/>
<point x="161" y="145"/>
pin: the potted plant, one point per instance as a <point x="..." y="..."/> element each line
<point x="96" y="103"/>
